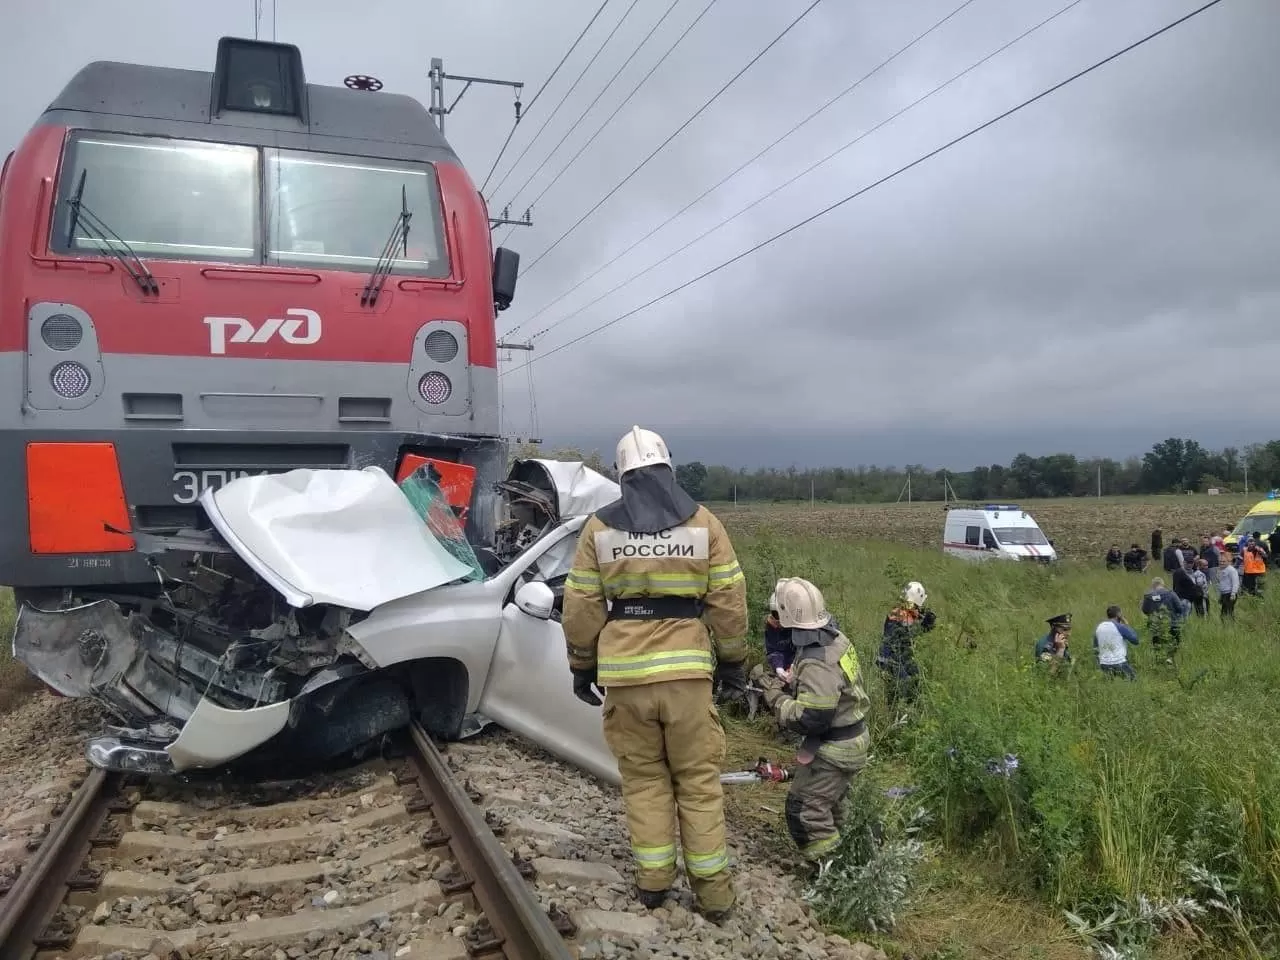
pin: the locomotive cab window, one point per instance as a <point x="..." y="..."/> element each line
<point x="326" y="210"/>
<point x="165" y="198"/>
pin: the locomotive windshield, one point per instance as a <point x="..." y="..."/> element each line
<point x="325" y="209"/>
<point x="195" y="200"/>
<point x="167" y="199"/>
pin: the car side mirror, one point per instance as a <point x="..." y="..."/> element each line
<point x="506" y="267"/>
<point x="536" y="599"/>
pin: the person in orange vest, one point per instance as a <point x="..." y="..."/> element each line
<point x="1254" y="568"/>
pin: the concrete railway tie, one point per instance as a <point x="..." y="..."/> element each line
<point x="386" y="868"/>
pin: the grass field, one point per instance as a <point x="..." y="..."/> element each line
<point x="1121" y="788"/>
<point x="1079" y="527"/>
<point x="15" y="682"/>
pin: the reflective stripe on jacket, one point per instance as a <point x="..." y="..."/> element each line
<point x="693" y="560"/>
<point x="830" y="696"/>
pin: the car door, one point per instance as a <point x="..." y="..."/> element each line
<point x="529" y="689"/>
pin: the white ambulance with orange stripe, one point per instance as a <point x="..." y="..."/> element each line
<point x="995" y="530"/>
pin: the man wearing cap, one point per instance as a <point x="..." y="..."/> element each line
<point x="1053" y="645"/>
<point x="829" y="708"/>
<point x="655" y="608"/>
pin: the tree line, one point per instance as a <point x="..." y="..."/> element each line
<point x="1172" y="466"/>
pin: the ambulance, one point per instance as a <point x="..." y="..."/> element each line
<point x="1260" y="521"/>
<point x="995" y="530"/>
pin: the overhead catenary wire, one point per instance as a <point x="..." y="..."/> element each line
<point x="582" y="116"/>
<point x="720" y="183"/>
<point x="520" y="114"/>
<point x="573" y="86"/>
<point x="675" y="133"/>
<point x="809" y="169"/>
<point x="973" y="131"/>
<point x="594" y="17"/>
<point x="616" y="110"/>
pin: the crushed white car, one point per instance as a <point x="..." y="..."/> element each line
<point x="326" y="608"/>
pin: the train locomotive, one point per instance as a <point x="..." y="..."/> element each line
<point x="207" y="276"/>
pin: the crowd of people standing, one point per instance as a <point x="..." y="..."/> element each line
<point x="1194" y="577"/>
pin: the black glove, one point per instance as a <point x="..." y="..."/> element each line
<point x="732" y="678"/>
<point x="583" y="682"/>
<point x="928" y="620"/>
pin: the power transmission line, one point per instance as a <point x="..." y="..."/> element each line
<point x="880" y="182"/>
<point x="595" y="16"/>
<point x="573" y="86"/>
<point x="582" y="116"/>
<point x="505" y="143"/>
<point x="809" y="169"/>
<point x="830" y="103"/>
<point x="694" y="116"/>
<point x="527" y="107"/>
<point x="618" y="109"/>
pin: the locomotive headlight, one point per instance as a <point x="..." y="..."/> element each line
<point x="441" y="346"/>
<point x="434" y="387"/>
<point x="71" y="380"/>
<point x="61" y="332"/>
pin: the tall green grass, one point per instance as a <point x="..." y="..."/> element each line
<point x="15" y="683"/>
<point x="1120" y="786"/>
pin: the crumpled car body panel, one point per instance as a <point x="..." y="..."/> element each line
<point x="343" y="537"/>
<point x="580" y="491"/>
<point x="214" y="735"/>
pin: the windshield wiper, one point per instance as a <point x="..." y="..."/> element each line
<point x="103" y="236"/>
<point x="382" y="269"/>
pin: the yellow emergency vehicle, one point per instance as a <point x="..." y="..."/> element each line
<point x="1261" y="519"/>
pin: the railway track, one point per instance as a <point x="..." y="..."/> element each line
<point x="392" y="861"/>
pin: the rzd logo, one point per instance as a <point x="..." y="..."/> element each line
<point x="300" y="326"/>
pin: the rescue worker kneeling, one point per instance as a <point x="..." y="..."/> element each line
<point x="829" y="708"/>
<point x="668" y="571"/>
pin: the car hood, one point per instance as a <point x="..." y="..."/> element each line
<point x="344" y="537"/>
<point x="580" y="491"/>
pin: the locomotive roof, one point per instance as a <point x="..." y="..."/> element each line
<point x="167" y="101"/>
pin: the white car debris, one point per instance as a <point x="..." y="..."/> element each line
<point x="325" y="608"/>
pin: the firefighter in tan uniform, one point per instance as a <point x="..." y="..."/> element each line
<point x="654" y="608"/>
<point x="829" y="708"/>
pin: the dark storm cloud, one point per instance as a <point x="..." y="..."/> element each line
<point x="1075" y="278"/>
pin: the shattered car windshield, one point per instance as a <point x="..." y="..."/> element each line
<point x="429" y="502"/>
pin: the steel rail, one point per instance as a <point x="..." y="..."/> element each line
<point x="512" y="909"/>
<point x="41" y="887"/>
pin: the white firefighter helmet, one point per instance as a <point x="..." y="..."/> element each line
<point x="773" y="602"/>
<point x="800" y="604"/>
<point x="640" y="448"/>
<point x="914" y="593"/>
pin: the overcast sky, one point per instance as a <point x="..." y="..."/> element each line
<point x="1093" y="274"/>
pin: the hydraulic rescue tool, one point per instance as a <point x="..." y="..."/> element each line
<point x="765" y="771"/>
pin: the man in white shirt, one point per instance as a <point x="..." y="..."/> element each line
<point x="1110" y="639"/>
